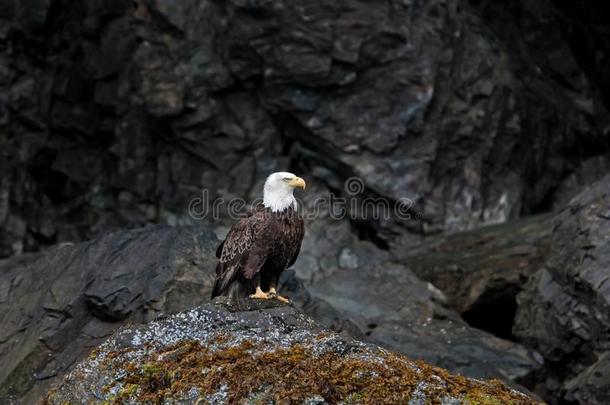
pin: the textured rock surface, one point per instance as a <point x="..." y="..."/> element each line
<point x="59" y="304"/>
<point x="119" y="112"/>
<point x="475" y="266"/>
<point x="586" y="29"/>
<point x="389" y="305"/>
<point x="56" y="306"/>
<point x="395" y="309"/>
<point x="564" y="311"/>
<point x="219" y="354"/>
<point x="481" y="271"/>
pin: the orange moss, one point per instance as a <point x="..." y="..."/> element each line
<point x="117" y="353"/>
<point x="291" y="375"/>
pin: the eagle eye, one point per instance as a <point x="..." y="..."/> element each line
<point x="286" y="179"/>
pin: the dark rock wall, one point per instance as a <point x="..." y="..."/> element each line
<point x="564" y="310"/>
<point x="584" y="25"/>
<point x="118" y="113"/>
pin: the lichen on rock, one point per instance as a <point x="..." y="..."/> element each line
<point x="242" y="352"/>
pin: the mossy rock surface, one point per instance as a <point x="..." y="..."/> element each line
<point x="248" y="353"/>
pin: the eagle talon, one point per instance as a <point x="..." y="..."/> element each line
<point x="273" y="294"/>
<point x="282" y="299"/>
<point x="259" y="294"/>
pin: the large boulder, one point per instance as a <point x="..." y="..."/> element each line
<point x="57" y="305"/>
<point x="236" y="352"/>
<point x="541" y="281"/>
<point x="564" y="311"/>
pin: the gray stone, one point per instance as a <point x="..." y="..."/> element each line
<point x="564" y="310"/>
<point x="56" y="305"/>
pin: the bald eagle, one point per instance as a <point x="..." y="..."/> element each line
<point x="261" y="246"/>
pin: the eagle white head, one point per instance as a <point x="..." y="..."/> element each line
<point x="278" y="191"/>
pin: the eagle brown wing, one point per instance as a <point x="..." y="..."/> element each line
<point x="296" y="238"/>
<point x="244" y="250"/>
<point x="248" y="215"/>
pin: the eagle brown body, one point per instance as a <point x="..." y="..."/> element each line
<point x="256" y="251"/>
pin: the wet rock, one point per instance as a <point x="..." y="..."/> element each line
<point x="587" y="34"/>
<point x="564" y="309"/>
<point x="474" y="268"/>
<point x="430" y="102"/>
<point x="238" y="352"/>
<point x="589" y="172"/>
<point x="591" y="386"/>
<point x="56" y="305"/>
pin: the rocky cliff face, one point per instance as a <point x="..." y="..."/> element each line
<point x="120" y="112"/>
<point x="564" y="310"/>
<point x="238" y="353"/>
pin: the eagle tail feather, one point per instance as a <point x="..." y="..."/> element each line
<point x="224" y="279"/>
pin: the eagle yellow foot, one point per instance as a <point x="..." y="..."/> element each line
<point x="260" y="295"/>
<point x="278" y="297"/>
<point x="282" y="299"/>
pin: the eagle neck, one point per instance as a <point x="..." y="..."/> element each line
<point x="278" y="202"/>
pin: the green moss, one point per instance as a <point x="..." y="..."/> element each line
<point x="128" y="390"/>
<point x="151" y="368"/>
<point x="354" y="398"/>
<point x="497" y="394"/>
<point x="476" y="399"/>
<point x="110" y="400"/>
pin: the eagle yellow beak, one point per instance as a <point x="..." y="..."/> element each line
<point x="297" y="182"/>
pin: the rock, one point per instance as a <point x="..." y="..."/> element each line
<point x="481" y="271"/>
<point x="56" y="305"/>
<point x="591" y="385"/>
<point x="453" y="107"/>
<point x="564" y="310"/>
<point x="116" y="114"/>
<point x="387" y="304"/>
<point x="587" y="28"/>
<point x="224" y="354"/>
<point x="393" y="308"/>
<point x="589" y="171"/>
<point x="29" y="15"/>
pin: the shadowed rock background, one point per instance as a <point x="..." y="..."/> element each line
<point x="116" y="114"/>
